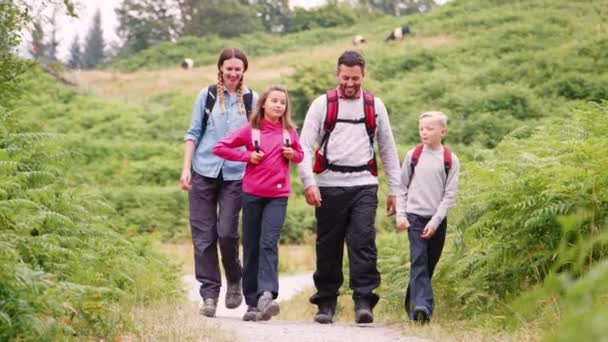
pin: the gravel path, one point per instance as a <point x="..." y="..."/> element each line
<point x="295" y="331"/>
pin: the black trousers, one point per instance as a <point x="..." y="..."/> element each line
<point x="346" y="214"/>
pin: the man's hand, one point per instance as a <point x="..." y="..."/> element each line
<point x="391" y="205"/>
<point x="185" y="181"/>
<point x="313" y="196"/>
<point x="256" y="157"/>
<point x="402" y="224"/>
<point x="427" y="233"/>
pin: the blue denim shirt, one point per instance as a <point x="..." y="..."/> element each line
<point x="220" y="124"/>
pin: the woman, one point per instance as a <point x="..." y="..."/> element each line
<point x="215" y="183"/>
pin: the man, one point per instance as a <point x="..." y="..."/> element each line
<point x="344" y="124"/>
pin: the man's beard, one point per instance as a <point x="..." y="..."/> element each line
<point x="349" y="96"/>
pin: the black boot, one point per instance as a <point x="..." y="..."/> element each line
<point x="326" y="312"/>
<point x="363" y="312"/>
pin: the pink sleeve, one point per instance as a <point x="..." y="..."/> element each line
<point x="295" y="145"/>
<point x="225" y="148"/>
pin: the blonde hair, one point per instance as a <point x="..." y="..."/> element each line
<point x="229" y="53"/>
<point x="441" y="118"/>
<point x="258" y="115"/>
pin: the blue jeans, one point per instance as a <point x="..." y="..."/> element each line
<point x="263" y="220"/>
<point x="424" y="255"/>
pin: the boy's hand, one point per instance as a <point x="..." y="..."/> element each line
<point x="256" y="157"/>
<point x="427" y="233"/>
<point x="288" y="152"/>
<point x="402" y="224"/>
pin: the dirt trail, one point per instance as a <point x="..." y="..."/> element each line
<point x="295" y="331"/>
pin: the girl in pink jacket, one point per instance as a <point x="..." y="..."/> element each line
<point x="270" y="142"/>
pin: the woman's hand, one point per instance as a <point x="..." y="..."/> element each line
<point x="185" y="181"/>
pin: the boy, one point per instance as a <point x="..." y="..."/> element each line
<point x="429" y="180"/>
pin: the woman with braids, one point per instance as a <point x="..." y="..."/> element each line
<point x="214" y="184"/>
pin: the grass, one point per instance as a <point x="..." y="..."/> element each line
<point x="293" y="259"/>
<point x="174" y="323"/>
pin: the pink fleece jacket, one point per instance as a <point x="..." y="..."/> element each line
<point x="270" y="177"/>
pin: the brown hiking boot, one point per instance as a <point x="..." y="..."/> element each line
<point x="209" y="307"/>
<point x="234" y="298"/>
<point x="268" y="306"/>
<point x="251" y="314"/>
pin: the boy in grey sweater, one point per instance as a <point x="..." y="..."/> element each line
<point x="429" y="180"/>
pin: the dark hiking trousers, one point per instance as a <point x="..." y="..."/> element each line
<point x="263" y="219"/>
<point x="346" y="214"/>
<point x="424" y="255"/>
<point x="210" y="226"/>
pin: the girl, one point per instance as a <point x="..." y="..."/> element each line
<point x="271" y="141"/>
<point x="215" y="182"/>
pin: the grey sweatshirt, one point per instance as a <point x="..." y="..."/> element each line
<point x="348" y="145"/>
<point x="430" y="194"/>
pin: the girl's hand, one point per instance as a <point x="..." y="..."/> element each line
<point x="256" y="157"/>
<point x="185" y="181"/>
<point x="288" y="153"/>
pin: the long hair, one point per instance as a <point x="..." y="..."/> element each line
<point x="258" y="115"/>
<point x="229" y="53"/>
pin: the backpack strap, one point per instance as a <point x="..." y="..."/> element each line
<point x="447" y="161"/>
<point x="248" y="100"/>
<point x="286" y="138"/>
<point x="370" y="115"/>
<point x="209" y="103"/>
<point x="255" y="139"/>
<point x="256" y="135"/>
<point x="331" y="117"/>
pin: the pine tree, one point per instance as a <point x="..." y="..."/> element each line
<point x="94" y="44"/>
<point x="38" y="47"/>
<point x="75" y="61"/>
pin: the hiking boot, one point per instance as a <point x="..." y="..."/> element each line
<point x="363" y="313"/>
<point x="325" y="315"/>
<point x="268" y="306"/>
<point x="234" y="298"/>
<point x="209" y="307"/>
<point x="421" y="315"/>
<point x="251" y="314"/>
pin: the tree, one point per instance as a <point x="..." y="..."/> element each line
<point x="143" y="23"/>
<point x="399" y="7"/>
<point x="51" y="46"/>
<point x="275" y="14"/>
<point x="94" y="44"/>
<point x="38" y="47"/>
<point x="75" y="61"/>
<point x="226" y="18"/>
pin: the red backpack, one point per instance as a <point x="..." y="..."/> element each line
<point x="322" y="163"/>
<point x="447" y="161"/>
